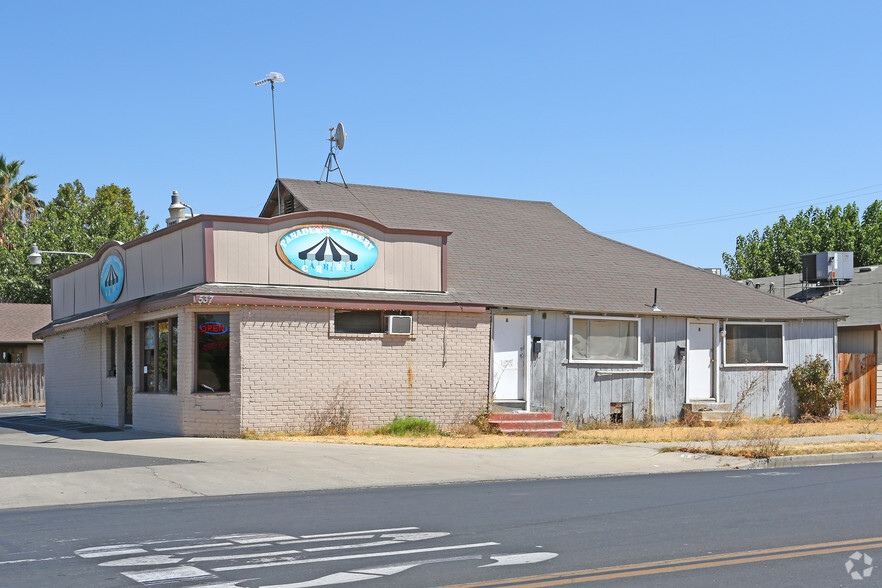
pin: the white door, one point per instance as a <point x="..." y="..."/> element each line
<point x="509" y="339"/>
<point x="700" y="362"/>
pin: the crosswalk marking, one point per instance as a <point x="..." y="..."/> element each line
<point x="168" y="575"/>
<point x="199" y="561"/>
<point x="293" y="561"/>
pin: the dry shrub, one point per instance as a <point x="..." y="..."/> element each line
<point x="761" y="442"/>
<point x="692" y="419"/>
<point x="333" y="419"/>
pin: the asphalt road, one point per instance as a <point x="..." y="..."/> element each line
<point x="805" y="524"/>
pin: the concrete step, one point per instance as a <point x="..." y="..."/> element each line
<point x="707" y="411"/>
<point x="704" y="405"/>
<point x="531" y="424"/>
<point x="714" y="416"/>
<point x="521" y="416"/>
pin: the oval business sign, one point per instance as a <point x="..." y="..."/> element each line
<point x="112" y="277"/>
<point x="327" y="251"/>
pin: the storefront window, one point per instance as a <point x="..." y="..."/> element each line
<point x="213" y="356"/>
<point x="149" y="341"/>
<point x="160" y="343"/>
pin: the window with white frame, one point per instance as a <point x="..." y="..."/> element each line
<point x="604" y="340"/>
<point x="754" y="343"/>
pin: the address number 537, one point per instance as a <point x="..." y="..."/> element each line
<point x="204" y="299"/>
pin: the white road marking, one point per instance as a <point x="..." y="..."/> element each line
<point x="246" y="538"/>
<point x="33" y="559"/>
<point x="393" y="539"/>
<point x="146" y="560"/>
<point x="517" y="559"/>
<point x="189" y="551"/>
<point x="110" y="550"/>
<point x="189" y="547"/>
<point x="325" y="539"/>
<point x="245" y="555"/>
<point x="329" y="580"/>
<point x="166" y="575"/>
<point x="361" y="532"/>
<point x="354" y="546"/>
<point x="367" y="573"/>
<point x="293" y="561"/>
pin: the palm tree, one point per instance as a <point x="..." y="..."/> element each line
<point x="17" y="201"/>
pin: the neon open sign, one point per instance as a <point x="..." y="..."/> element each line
<point x="213" y="328"/>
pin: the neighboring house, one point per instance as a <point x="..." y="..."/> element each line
<point x="405" y="302"/>
<point x="17" y="325"/>
<point x="859" y="299"/>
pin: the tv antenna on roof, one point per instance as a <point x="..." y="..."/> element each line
<point x="337" y="139"/>
<point x="272" y="78"/>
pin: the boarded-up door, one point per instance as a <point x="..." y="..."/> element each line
<point x="860" y="392"/>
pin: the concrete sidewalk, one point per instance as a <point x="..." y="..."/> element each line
<point x="235" y="466"/>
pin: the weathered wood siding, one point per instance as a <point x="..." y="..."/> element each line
<point x="771" y="391"/>
<point x="583" y="392"/>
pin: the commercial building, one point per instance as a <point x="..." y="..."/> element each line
<point x="391" y="302"/>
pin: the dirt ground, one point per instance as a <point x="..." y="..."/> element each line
<point x="763" y="431"/>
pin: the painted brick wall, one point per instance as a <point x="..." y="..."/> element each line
<point x="297" y="367"/>
<point x="209" y="414"/>
<point x="189" y="412"/>
<point x="77" y="386"/>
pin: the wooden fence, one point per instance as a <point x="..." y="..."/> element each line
<point x="860" y="392"/>
<point x="22" y="384"/>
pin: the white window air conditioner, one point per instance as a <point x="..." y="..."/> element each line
<point x="399" y="324"/>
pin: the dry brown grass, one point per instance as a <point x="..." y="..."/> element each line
<point x="670" y="433"/>
<point x="771" y="448"/>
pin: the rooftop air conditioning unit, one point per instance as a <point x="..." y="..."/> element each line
<point x="399" y="324"/>
<point x="828" y="266"/>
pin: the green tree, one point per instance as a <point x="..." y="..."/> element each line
<point x="779" y="249"/>
<point x="72" y="221"/>
<point x="18" y="203"/>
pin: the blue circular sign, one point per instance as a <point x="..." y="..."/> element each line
<point x="112" y="277"/>
<point x="327" y="251"/>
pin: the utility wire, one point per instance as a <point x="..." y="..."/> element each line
<point x="738" y="215"/>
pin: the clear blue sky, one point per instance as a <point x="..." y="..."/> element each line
<point x="624" y="115"/>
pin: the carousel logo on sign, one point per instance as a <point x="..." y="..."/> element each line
<point x="327" y="251"/>
<point x="112" y="277"/>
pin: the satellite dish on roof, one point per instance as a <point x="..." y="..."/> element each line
<point x="337" y="139"/>
<point x="339" y="136"/>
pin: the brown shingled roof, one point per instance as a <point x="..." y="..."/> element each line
<point x="19" y="321"/>
<point x="529" y="254"/>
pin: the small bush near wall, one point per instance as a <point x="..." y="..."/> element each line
<point x="817" y="390"/>
<point x="408" y="427"/>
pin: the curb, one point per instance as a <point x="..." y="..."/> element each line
<point x="792" y="461"/>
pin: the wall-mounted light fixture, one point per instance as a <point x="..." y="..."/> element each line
<point x="36" y="256"/>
